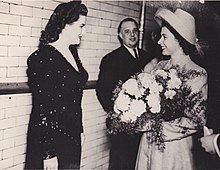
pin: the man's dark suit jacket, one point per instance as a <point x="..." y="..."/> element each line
<point x="115" y="66"/>
<point x="120" y="65"/>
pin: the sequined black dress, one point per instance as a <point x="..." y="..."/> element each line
<point x="56" y="119"/>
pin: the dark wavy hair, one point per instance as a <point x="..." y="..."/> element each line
<point x="65" y="13"/>
<point x="120" y="24"/>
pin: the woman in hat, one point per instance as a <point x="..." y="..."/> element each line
<point x="56" y="78"/>
<point x="179" y="41"/>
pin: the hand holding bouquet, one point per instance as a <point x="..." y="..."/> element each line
<point x="145" y="100"/>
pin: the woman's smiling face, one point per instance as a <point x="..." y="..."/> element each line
<point x="168" y="42"/>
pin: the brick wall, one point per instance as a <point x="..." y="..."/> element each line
<point x="20" y="24"/>
<point x="22" y="20"/>
<point x="14" y="117"/>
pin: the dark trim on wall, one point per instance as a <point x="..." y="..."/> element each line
<point x="90" y="84"/>
<point x="18" y="88"/>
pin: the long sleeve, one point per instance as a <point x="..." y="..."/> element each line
<point x="44" y="80"/>
<point x="216" y="143"/>
<point x="42" y="86"/>
<point x="105" y="85"/>
<point x="57" y="90"/>
<point x="193" y="119"/>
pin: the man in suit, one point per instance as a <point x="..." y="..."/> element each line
<point x="120" y="65"/>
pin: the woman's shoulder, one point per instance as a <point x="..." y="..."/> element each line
<point x="198" y="76"/>
<point x="196" y="68"/>
<point x="41" y="55"/>
<point x="33" y="57"/>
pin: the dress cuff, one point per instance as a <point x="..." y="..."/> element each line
<point x="215" y="145"/>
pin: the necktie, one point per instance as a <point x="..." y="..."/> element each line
<point x="135" y="53"/>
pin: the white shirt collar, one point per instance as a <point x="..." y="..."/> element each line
<point x="131" y="50"/>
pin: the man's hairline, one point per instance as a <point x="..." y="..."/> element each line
<point x="125" y="22"/>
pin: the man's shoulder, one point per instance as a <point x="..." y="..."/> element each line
<point x="114" y="54"/>
<point x="146" y="56"/>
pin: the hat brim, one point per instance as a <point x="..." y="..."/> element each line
<point x="173" y="21"/>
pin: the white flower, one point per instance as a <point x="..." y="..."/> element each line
<point x="145" y="79"/>
<point x="169" y="94"/>
<point x="161" y="73"/>
<point x="122" y="102"/>
<point x="155" y="87"/>
<point x="115" y="108"/>
<point x="154" y="102"/>
<point x="174" y="82"/>
<point x="141" y="75"/>
<point x="128" y="116"/>
<point x="131" y="87"/>
<point x="137" y="107"/>
<point x="159" y="87"/>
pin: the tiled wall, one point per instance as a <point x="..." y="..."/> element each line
<point x="22" y="20"/>
<point x="20" y="24"/>
<point x="14" y="118"/>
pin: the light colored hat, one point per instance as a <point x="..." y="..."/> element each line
<point x="180" y="20"/>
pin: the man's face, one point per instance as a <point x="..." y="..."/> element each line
<point x="129" y="34"/>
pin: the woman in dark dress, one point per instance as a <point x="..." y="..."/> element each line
<point x="56" y="78"/>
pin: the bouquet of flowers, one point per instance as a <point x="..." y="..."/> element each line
<point x="145" y="100"/>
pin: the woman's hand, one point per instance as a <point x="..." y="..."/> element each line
<point x="51" y="164"/>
